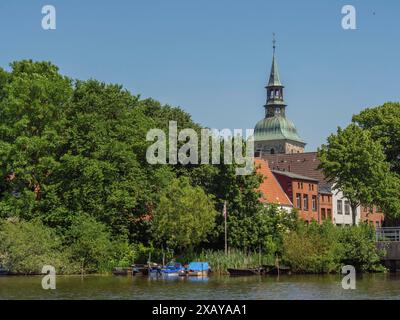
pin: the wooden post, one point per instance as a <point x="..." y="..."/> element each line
<point x="226" y="230"/>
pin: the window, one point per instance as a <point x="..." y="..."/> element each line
<point x="323" y="214"/>
<point x="314" y="203"/>
<point x="305" y="202"/>
<point x="339" y="207"/>
<point x="329" y="214"/>
<point x="347" y="207"/>
<point x="377" y="224"/>
<point x="298" y="201"/>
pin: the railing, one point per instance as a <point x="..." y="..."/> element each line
<point x="388" y="234"/>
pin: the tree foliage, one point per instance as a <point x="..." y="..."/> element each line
<point x="383" y="123"/>
<point x="357" y="166"/>
<point x="184" y="216"/>
<point x="325" y="248"/>
<point x="25" y="247"/>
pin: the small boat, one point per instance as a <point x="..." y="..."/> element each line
<point x="245" y="272"/>
<point x="277" y="269"/>
<point x="172" y="269"/>
<point x="3" y="272"/>
<point x="118" y="271"/>
<point x="150" y="269"/>
<point x="201" y="269"/>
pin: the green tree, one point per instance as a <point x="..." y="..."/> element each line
<point x="89" y="242"/>
<point x="273" y="223"/>
<point x="25" y="247"/>
<point x="184" y="216"/>
<point x="357" y="166"/>
<point x="383" y="123"/>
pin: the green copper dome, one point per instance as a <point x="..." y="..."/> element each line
<point x="276" y="128"/>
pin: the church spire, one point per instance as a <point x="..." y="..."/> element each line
<point x="275" y="105"/>
<point x="274" y="79"/>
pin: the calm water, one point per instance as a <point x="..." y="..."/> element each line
<point x="375" y="286"/>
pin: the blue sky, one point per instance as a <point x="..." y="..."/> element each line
<point x="212" y="58"/>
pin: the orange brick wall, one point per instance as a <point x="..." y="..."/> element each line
<point x="292" y="187"/>
<point x="371" y="215"/>
<point x="325" y="207"/>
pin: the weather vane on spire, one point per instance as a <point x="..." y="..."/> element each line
<point x="273" y="41"/>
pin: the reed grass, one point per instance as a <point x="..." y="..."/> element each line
<point x="220" y="262"/>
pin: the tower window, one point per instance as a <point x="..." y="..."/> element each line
<point x="272" y="151"/>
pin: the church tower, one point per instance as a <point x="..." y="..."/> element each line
<point x="276" y="134"/>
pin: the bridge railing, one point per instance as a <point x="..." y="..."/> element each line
<point x="388" y="234"/>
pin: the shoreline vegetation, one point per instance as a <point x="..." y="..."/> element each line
<point x="77" y="193"/>
<point x="314" y="249"/>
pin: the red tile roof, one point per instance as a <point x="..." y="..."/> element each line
<point x="270" y="188"/>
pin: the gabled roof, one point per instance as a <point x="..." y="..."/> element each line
<point x="294" y="175"/>
<point x="270" y="188"/>
<point x="305" y="164"/>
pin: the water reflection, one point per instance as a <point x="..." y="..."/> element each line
<point x="368" y="286"/>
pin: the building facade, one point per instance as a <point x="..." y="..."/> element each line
<point x="325" y="205"/>
<point x="270" y="189"/>
<point x="303" y="193"/>
<point x="342" y="215"/>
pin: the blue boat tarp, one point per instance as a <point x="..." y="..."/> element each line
<point x="198" y="266"/>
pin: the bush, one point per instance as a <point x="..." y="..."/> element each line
<point x="90" y="245"/>
<point x="325" y="248"/>
<point x="358" y="248"/>
<point x="25" y="247"/>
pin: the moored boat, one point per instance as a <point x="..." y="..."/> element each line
<point x="245" y="271"/>
<point x="172" y="269"/>
<point x="119" y="271"/>
<point x="277" y="270"/>
<point x="200" y="269"/>
<point x="3" y="272"/>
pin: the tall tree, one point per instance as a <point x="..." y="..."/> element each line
<point x="184" y="217"/>
<point x="357" y="166"/>
<point x="383" y="123"/>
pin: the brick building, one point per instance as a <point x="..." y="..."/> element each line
<point x="332" y="203"/>
<point x="303" y="192"/>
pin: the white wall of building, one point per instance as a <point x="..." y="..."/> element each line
<point x="342" y="218"/>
